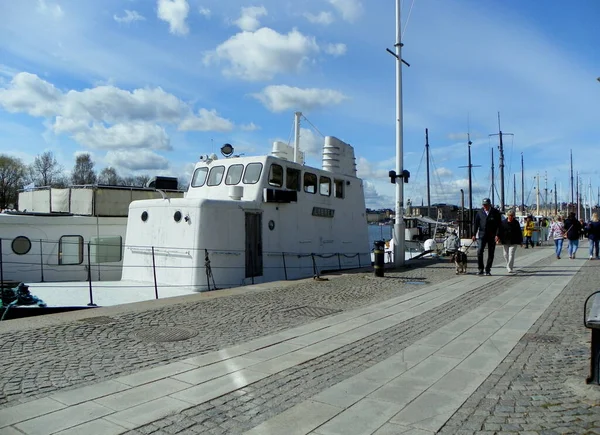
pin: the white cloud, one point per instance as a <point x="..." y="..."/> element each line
<point x="137" y="160"/>
<point x="248" y="21"/>
<point x="443" y="173"/>
<point x="204" y="12"/>
<point x="129" y="17"/>
<point x="367" y="170"/>
<point x="322" y="17"/>
<point x="249" y="127"/>
<point x="175" y="13"/>
<point x="28" y="93"/>
<point x="98" y="136"/>
<point x="279" y="98"/>
<point x="335" y="49"/>
<point x="263" y="54"/>
<point x="52" y="9"/>
<point x="311" y="144"/>
<point x="207" y="120"/>
<point x="105" y="116"/>
<point x="350" y="10"/>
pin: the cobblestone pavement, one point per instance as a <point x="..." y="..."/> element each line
<point x="538" y="389"/>
<point x="241" y="410"/>
<point x="37" y="362"/>
<point x="540" y="386"/>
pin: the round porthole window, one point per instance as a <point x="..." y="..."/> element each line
<point x="144" y="216"/>
<point x="177" y="216"/>
<point x="21" y="245"/>
<point x="271" y="225"/>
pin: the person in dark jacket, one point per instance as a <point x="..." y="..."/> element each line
<point x="511" y="236"/>
<point x="573" y="229"/>
<point x="486" y="229"/>
<point x="593" y="233"/>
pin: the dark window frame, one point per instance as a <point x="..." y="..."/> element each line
<point x="197" y="171"/>
<point x="239" y="178"/>
<point x="305" y="185"/>
<point x="252" y="166"/>
<point x="215" y="169"/>
<point x="60" y="250"/>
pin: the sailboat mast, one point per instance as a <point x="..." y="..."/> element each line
<point x="555" y="200"/>
<point x="428" y="182"/>
<point x="545" y="193"/>
<point x="522" y="187"/>
<point x="537" y="195"/>
<point x="399" y="211"/>
<point x="500" y="134"/>
<point x="515" y="191"/>
<point x="470" y="187"/>
<point x="572" y="186"/>
<point x="493" y="185"/>
<point x="501" y="149"/>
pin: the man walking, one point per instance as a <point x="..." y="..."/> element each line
<point x="486" y="228"/>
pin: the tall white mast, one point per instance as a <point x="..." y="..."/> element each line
<point x="297" y="116"/>
<point x="399" y="221"/>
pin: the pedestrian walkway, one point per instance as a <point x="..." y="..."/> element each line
<point x="403" y="365"/>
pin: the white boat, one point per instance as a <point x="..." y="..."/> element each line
<point x="243" y="220"/>
<point x="71" y="234"/>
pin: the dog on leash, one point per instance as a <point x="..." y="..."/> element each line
<point x="460" y="260"/>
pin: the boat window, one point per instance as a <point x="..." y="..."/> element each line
<point x="234" y="174"/>
<point x="21" y="245"/>
<point x="252" y="173"/>
<point x="70" y="250"/>
<point x="339" y="188"/>
<point x="276" y="175"/>
<point x="106" y="249"/>
<point x="325" y="186"/>
<point x="215" y="176"/>
<point x="199" y="177"/>
<point x="292" y="179"/>
<point x="310" y="182"/>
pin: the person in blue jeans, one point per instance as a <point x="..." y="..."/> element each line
<point x="573" y="228"/>
<point x="593" y="233"/>
<point x="557" y="232"/>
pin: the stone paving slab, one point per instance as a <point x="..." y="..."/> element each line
<point x="232" y="413"/>
<point x="39" y="357"/>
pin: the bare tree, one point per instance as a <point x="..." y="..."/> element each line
<point x="109" y="177"/>
<point x="12" y="177"/>
<point x="83" y="171"/>
<point x="142" y="180"/>
<point x="135" y="180"/>
<point x="46" y="171"/>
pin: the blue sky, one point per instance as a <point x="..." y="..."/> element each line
<point x="146" y="86"/>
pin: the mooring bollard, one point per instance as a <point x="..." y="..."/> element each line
<point x="379" y="252"/>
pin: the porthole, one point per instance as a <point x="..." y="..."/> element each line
<point x="144" y="216"/>
<point x="177" y="216"/>
<point x="21" y="245"/>
<point x="271" y="225"/>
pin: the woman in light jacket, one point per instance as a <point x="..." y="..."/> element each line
<point x="557" y="232"/>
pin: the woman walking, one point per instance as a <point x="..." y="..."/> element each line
<point x="511" y="236"/>
<point x="573" y="227"/>
<point x="557" y="232"/>
<point x="593" y="234"/>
